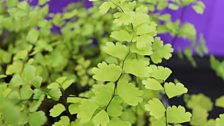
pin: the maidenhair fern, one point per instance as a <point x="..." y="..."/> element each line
<point x="122" y="84"/>
<point x="101" y="68"/>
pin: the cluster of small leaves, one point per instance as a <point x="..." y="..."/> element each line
<point x="129" y="84"/>
<point x="201" y="105"/>
<point x="177" y="28"/>
<point x="39" y="68"/>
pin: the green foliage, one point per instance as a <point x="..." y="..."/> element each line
<point x="67" y="80"/>
<point x="177" y="115"/>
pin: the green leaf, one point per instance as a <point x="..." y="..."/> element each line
<point x="37" y="81"/>
<point x="117" y="50"/>
<point x="152" y="84"/>
<point x="37" y="119"/>
<point x="199" y="7"/>
<point x="128" y="92"/>
<point x="16" y="81"/>
<point x="173" y="90"/>
<point x="28" y="73"/>
<point x="65" y="82"/>
<point x="177" y="115"/>
<point x="173" y="6"/>
<point x="118" y="122"/>
<point x="220" y="102"/>
<point x="188" y="31"/>
<point x="144" y="41"/>
<point x="160" y="51"/>
<point x="55" y="93"/>
<point x="101" y="119"/>
<point x="57" y="110"/>
<point x="73" y="108"/>
<point x="21" y="55"/>
<point x="220" y="120"/>
<point x="199" y="116"/>
<point x="145" y="51"/>
<point x="123" y="18"/>
<point x="38" y="94"/>
<point x="26" y="92"/>
<point x="103" y="93"/>
<point x="106" y="72"/>
<point x="161" y="73"/>
<point x="16" y="67"/>
<point x="139" y="19"/>
<point x="114" y="109"/>
<point x="86" y="110"/>
<point x="146" y="29"/>
<point x="155" y="108"/>
<point x="121" y="35"/>
<point x="138" y="67"/>
<point x="41" y="2"/>
<point x="32" y="36"/>
<point x="105" y="7"/>
<point x="200" y="100"/>
<point x="64" y="121"/>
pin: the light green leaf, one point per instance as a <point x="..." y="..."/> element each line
<point x="86" y="110"/>
<point x="64" y="121"/>
<point x="138" y="67"/>
<point x="188" y="31"/>
<point x="173" y="6"/>
<point x="177" y="115"/>
<point x="101" y="119"/>
<point x="200" y="100"/>
<point x="73" y="108"/>
<point x="16" y="81"/>
<point x="33" y="35"/>
<point x="118" y="122"/>
<point x="199" y="117"/>
<point x="220" y="120"/>
<point x="16" y="67"/>
<point x="106" y="72"/>
<point x="115" y="108"/>
<point x="173" y="90"/>
<point x="220" y="102"/>
<point x="123" y="18"/>
<point x="28" y="73"/>
<point x="145" y="51"/>
<point x="26" y="92"/>
<point x="199" y="7"/>
<point x="140" y="18"/>
<point x="41" y="2"/>
<point x="160" y="51"/>
<point x="161" y="73"/>
<point x="128" y="92"/>
<point x="152" y="84"/>
<point x="37" y="118"/>
<point x="121" y="35"/>
<point x="146" y="29"/>
<point x="37" y="81"/>
<point x="144" y="41"/>
<point x="117" y="50"/>
<point x="55" y="93"/>
<point x="105" y="7"/>
<point x="155" y="108"/>
<point x="21" y="55"/>
<point x="57" y="110"/>
<point x="103" y="93"/>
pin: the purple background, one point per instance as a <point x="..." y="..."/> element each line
<point x="211" y="23"/>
